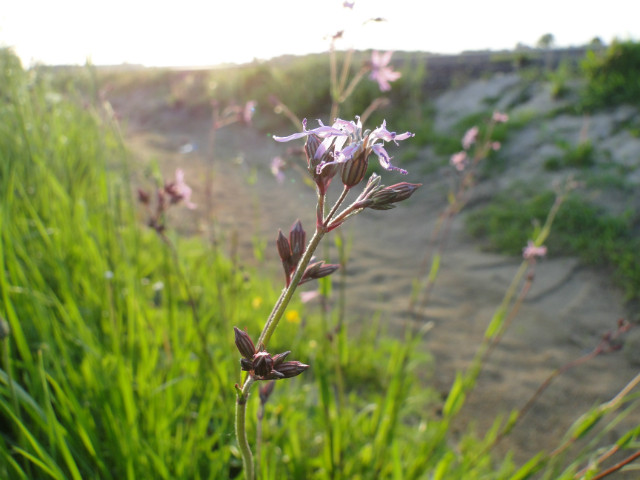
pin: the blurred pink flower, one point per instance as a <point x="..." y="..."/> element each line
<point x="248" y="111"/>
<point x="499" y="117"/>
<point x="496" y="146"/>
<point x="381" y="72"/>
<point x="531" y="251"/>
<point x="469" y="137"/>
<point x="277" y="164"/>
<point x="458" y="160"/>
<point x="183" y="190"/>
<point x="308" y="296"/>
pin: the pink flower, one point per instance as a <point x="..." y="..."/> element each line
<point x="248" y="111"/>
<point x="469" y="137"/>
<point x="350" y="133"/>
<point x="458" y="160"/>
<point x="495" y="146"/>
<point x="499" y="117"/>
<point x="277" y="164"/>
<point x="381" y="72"/>
<point x="531" y="251"/>
<point x="306" y="297"/>
<point x="183" y="190"/>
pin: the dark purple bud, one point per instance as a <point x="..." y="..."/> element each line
<point x="262" y="364"/>
<point x="274" y="375"/>
<point x="279" y="358"/>
<point x="244" y="343"/>
<point x="246" y="364"/>
<point x="297" y="240"/>
<point x="284" y="250"/>
<point x="318" y="270"/>
<point x="292" y="369"/>
<point x="143" y="197"/>
<point x="265" y="391"/>
<point x="354" y="170"/>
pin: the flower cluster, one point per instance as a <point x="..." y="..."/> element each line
<point x="344" y="145"/>
<point x="171" y="193"/>
<point x="291" y="250"/>
<point x="260" y="364"/>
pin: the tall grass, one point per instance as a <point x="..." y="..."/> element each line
<point x="103" y="375"/>
<point x="106" y="372"/>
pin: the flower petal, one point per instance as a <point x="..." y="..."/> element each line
<point x="385" y="159"/>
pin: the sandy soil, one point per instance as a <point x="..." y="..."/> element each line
<point x="563" y="317"/>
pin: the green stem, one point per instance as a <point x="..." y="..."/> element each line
<point x="285" y="297"/>
<point x="343" y="195"/>
<point x="265" y="336"/>
<point x="241" y="429"/>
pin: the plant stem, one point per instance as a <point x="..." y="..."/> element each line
<point x="241" y="429"/>
<point x="265" y="336"/>
<point x="285" y="297"/>
<point x="343" y="195"/>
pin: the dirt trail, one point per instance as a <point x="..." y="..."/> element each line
<point x="565" y="314"/>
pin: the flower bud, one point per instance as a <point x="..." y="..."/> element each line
<point x="265" y="391"/>
<point x="262" y="364"/>
<point x="143" y="197"/>
<point x="291" y="369"/>
<point x="279" y="358"/>
<point x="318" y="270"/>
<point x="246" y="364"/>
<point x="244" y="344"/>
<point x="297" y="240"/>
<point x="354" y="170"/>
<point x="385" y="197"/>
<point x="284" y="250"/>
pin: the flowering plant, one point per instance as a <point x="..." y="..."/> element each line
<point x="342" y="149"/>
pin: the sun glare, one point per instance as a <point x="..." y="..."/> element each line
<point x="209" y="33"/>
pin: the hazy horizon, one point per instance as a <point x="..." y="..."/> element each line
<point x="145" y="33"/>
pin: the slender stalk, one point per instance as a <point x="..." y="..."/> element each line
<point x="343" y="195"/>
<point x="270" y="326"/>
<point x="285" y="297"/>
<point x="241" y="429"/>
<point x="617" y="466"/>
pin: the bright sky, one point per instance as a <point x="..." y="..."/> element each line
<point x="208" y="32"/>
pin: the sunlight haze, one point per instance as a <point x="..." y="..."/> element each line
<point x="196" y="33"/>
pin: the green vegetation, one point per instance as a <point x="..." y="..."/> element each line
<point x="612" y="76"/>
<point x="579" y="156"/>
<point x="118" y="361"/>
<point x="581" y="230"/>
